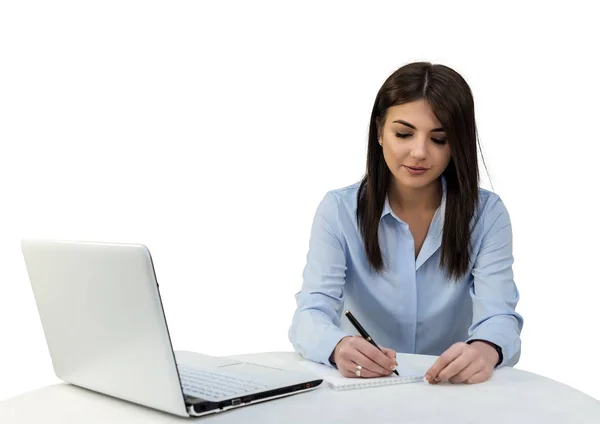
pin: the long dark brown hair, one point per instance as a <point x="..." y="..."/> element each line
<point x="451" y="100"/>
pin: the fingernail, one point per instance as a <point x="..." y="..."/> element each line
<point x="430" y="380"/>
<point x="437" y="379"/>
<point x="396" y="362"/>
<point x="393" y="367"/>
<point x="426" y="379"/>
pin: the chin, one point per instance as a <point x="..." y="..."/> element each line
<point x="416" y="182"/>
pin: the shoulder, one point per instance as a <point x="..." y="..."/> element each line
<point x="338" y="207"/>
<point x="343" y="198"/>
<point x="492" y="211"/>
<point x="345" y="195"/>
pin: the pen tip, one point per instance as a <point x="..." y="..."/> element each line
<point x="346" y="312"/>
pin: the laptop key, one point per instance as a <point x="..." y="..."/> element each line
<point x="208" y="384"/>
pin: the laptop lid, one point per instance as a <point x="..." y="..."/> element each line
<point x="103" y="320"/>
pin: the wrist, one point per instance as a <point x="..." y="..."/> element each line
<point x="332" y="357"/>
<point x="489" y="350"/>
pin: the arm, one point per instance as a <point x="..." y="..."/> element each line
<point x="494" y="293"/>
<point x="495" y="322"/>
<point x="315" y="329"/>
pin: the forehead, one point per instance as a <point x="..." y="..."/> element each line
<point x="418" y="113"/>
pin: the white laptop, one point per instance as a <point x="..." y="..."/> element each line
<point x="106" y="331"/>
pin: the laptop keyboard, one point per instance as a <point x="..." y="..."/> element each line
<point x="210" y="385"/>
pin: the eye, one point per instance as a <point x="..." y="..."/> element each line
<point x="435" y="140"/>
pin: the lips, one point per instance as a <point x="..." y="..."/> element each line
<point x="416" y="168"/>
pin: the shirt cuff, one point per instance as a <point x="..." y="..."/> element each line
<point x="510" y="351"/>
<point x="503" y="332"/>
<point x="327" y="345"/>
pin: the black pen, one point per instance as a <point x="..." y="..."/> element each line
<point x="363" y="333"/>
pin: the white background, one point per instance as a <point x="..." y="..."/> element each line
<point x="210" y="132"/>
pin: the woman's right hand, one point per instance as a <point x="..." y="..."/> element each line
<point x="353" y="350"/>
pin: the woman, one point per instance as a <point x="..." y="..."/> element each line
<point x="419" y="253"/>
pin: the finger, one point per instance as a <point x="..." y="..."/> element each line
<point x="348" y="369"/>
<point x="479" y="377"/>
<point x="390" y="353"/>
<point x="376" y="355"/>
<point x="367" y="363"/>
<point x="353" y="356"/>
<point x="445" y="358"/>
<point x="472" y="369"/>
<point x="465" y="359"/>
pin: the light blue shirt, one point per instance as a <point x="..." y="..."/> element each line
<point x="412" y="307"/>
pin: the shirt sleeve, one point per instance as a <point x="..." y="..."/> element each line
<point x="494" y="293"/>
<point x="315" y="329"/>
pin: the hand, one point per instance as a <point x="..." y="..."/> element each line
<point x="353" y="350"/>
<point x="464" y="363"/>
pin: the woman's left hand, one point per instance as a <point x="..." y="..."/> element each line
<point x="464" y="363"/>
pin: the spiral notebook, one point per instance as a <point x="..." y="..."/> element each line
<point x="409" y="373"/>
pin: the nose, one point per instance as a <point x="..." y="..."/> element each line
<point x="419" y="148"/>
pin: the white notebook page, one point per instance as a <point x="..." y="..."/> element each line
<point x="411" y="368"/>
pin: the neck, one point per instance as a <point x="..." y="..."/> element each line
<point x="410" y="199"/>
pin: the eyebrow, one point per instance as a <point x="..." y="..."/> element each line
<point x="400" y="121"/>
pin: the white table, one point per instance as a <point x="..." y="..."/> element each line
<point x="510" y="396"/>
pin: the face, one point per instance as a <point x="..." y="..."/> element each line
<point x="414" y="144"/>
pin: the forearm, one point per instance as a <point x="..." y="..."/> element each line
<point x="314" y="335"/>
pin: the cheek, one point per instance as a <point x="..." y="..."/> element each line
<point x="390" y="157"/>
<point x="395" y="151"/>
<point x="442" y="158"/>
